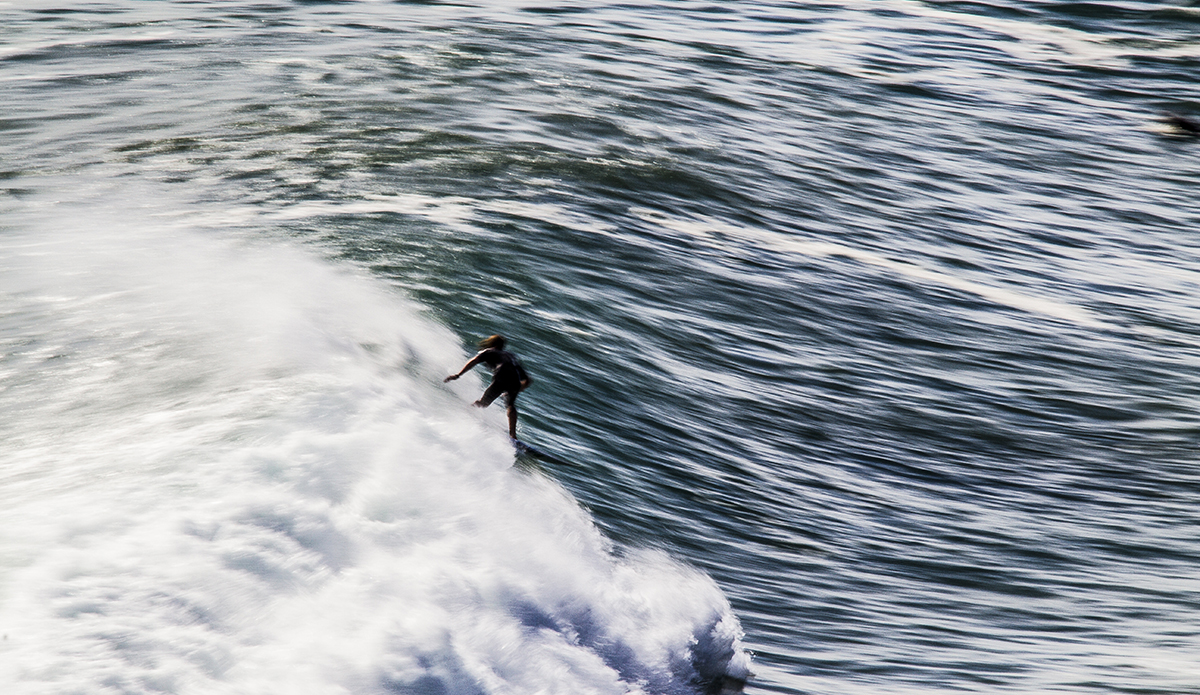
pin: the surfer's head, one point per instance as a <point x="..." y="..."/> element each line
<point x="493" y="341"/>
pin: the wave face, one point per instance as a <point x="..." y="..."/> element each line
<point x="231" y="467"/>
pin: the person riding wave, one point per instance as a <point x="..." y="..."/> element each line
<point x="508" y="377"/>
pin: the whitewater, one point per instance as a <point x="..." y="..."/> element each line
<point x="230" y="466"/>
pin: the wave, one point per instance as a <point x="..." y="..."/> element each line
<point x="232" y="468"/>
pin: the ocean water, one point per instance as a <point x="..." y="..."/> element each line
<point x="864" y="336"/>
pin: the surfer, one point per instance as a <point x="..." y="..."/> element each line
<point x="1182" y="125"/>
<point x="508" y="377"/>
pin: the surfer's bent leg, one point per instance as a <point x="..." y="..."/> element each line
<point x="493" y="391"/>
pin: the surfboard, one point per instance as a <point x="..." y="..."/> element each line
<point x="528" y="451"/>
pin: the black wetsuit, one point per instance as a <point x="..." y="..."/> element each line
<point x="507" y="375"/>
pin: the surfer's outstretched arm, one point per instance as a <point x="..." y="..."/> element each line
<point x="466" y="368"/>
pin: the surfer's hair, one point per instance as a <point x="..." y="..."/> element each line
<point x="493" y="341"/>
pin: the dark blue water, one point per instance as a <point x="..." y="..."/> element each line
<point x="865" y="333"/>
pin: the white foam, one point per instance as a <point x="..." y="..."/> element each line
<point x="453" y="212"/>
<point x="1024" y="301"/>
<point x="232" y="468"/>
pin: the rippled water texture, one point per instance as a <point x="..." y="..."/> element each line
<point x="880" y="314"/>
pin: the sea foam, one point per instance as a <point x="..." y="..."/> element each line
<point x="232" y="467"/>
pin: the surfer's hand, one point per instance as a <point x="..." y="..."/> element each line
<point x="452" y="377"/>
